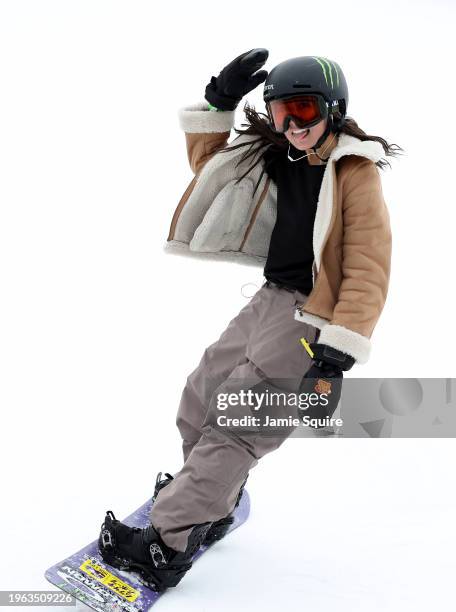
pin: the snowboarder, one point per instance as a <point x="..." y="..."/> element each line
<point x="299" y="192"/>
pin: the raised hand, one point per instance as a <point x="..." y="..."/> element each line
<point x="237" y="79"/>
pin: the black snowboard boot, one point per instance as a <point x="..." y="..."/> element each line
<point x="143" y="551"/>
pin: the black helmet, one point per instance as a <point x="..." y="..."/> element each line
<point x="310" y="74"/>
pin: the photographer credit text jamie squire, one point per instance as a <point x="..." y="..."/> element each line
<point x="254" y="401"/>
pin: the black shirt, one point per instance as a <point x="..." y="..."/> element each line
<point x="290" y="256"/>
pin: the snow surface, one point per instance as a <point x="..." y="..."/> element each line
<point x="356" y="524"/>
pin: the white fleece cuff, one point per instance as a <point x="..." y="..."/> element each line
<point x="198" y="119"/>
<point x="347" y="341"/>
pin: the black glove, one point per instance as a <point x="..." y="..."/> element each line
<point x="331" y="356"/>
<point x="237" y="79"/>
<point x="325" y="378"/>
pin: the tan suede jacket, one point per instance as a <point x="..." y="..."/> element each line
<point x="218" y="217"/>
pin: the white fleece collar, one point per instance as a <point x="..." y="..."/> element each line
<point x="346" y="145"/>
<point x="349" y="145"/>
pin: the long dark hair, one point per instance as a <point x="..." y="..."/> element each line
<point x="258" y="125"/>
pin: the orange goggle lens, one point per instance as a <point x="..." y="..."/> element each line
<point x="304" y="110"/>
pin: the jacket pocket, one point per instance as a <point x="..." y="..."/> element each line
<point x="223" y="225"/>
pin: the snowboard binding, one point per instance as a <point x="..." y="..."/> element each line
<point x="143" y="551"/>
<point x="160" y="483"/>
<point x="219" y="528"/>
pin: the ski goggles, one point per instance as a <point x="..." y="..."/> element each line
<point x="306" y="110"/>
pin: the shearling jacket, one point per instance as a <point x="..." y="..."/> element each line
<point x="351" y="240"/>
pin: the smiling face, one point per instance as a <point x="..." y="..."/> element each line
<point x="305" y="139"/>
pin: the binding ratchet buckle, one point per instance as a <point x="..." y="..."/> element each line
<point x="157" y="555"/>
<point x="106" y="538"/>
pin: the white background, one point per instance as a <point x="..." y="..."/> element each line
<point x="99" y="328"/>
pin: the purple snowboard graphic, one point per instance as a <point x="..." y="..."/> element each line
<point x="104" y="588"/>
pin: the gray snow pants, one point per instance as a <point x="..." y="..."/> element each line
<point x="261" y="343"/>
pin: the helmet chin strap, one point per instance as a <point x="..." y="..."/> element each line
<point x="324" y="136"/>
<point x="320" y="141"/>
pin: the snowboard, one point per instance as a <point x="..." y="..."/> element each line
<point x="106" y="589"/>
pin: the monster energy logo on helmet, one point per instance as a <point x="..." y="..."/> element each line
<point x="327" y="65"/>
